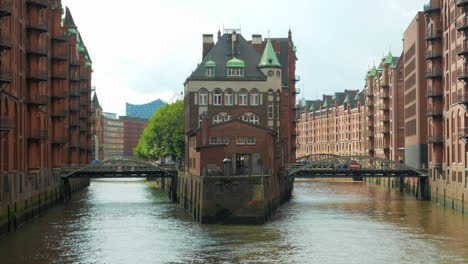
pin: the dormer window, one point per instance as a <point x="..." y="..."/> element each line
<point x="235" y="68"/>
<point x="210" y="67"/>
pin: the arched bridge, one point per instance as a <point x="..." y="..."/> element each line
<point x="351" y="167"/>
<point x="316" y="157"/>
<point x="116" y="167"/>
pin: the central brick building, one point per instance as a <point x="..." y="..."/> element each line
<point x="240" y="121"/>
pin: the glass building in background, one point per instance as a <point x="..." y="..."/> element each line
<point x="144" y="111"/>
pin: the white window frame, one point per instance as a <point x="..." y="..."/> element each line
<point x="227" y="117"/>
<point x="218" y="119"/>
<point x="255" y="120"/>
<point x="244" y="118"/>
<point x="240" y="140"/>
<point x="210" y="71"/>
<point x="203" y="97"/>
<point x="243" y="97"/>
<point x="251" y="141"/>
<point x="224" y="140"/>
<point x="217" y="97"/>
<point x="214" y="140"/>
<point x="271" y="109"/>
<point x="229" y="97"/>
<point x="254" y="97"/>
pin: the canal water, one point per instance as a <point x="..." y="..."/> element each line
<point x="325" y="222"/>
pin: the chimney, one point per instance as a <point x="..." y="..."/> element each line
<point x="219" y="34"/>
<point x="208" y="43"/>
<point x="257" y="42"/>
<point x="233" y="41"/>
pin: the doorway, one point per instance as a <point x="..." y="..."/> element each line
<point x="243" y="164"/>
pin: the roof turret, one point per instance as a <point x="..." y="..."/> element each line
<point x="389" y="58"/>
<point x="347" y="99"/>
<point x="325" y="104"/>
<point x="269" y="59"/>
<point x="373" y="71"/>
<point x="210" y="64"/>
<point x="235" y="63"/>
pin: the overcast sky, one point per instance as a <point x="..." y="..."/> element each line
<point x="145" y="49"/>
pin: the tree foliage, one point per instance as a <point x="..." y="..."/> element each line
<point x="164" y="134"/>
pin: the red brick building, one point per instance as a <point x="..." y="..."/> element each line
<point x="45" y="89"/>
<point x="133" y="129"/>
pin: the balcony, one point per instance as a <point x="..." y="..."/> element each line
<point x="385" y="117"/>
<point x="59" y="95"/>
<point x="435" y="139"/>
<point x="433" y="112"/>
<point x="39" y="3"/>
<point x="461" y="24"/>
<point x="432" y="93"/>
<point x="74" y="94"/>
<point x="75" y="123"/>
<point x="74" y="145"/>
<point x="58" y="140"/>
<point x="297" y="78"/>
<point x="59" y="75"/>
<point x="59" y="55"/>
<point x="36" y="135"/>
<point x="40" y="50"/>
<point x="75" y="62"/>
<point x="384" y="130"/>
<point x="5" y="41"/>
<point x="369" y="93"/>
<point x="297" y="91"/>
<point x="370" y="113"/>
<point x="384" y="94"/>
<point x="74" y="108"/>
<point x="75" y="77"/>
<point x="38" y="75"/>
<point x="462" y="98"/>
<point x="432" y="55"/>
<point x="58" y="114"/>
<point x="5" y="77"/>
<point x="434" y="74"/>
<point x="463" y="132"/>
<point x="462" y="3"/>
<point x="6" y="7"/>
<point x="433" y="34"/>
<point x="85" y="91"/>
<point x="38" y="100"/>
<point x="384" y="108"/>
<point x="6" y="123"/>
<point x="462" y="74"/>
<point x="431" y="7"/>
<point x="38" y="24"/>
<point x="370" y="133"/>
<point x="60" y="36"/>
<point x="462" y="50"/>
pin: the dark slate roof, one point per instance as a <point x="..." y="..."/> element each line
<point x="69" y="22"/>
<point x="222" y="52"/>
<point x="283" y="58"/>
<point x="95" y="102"/>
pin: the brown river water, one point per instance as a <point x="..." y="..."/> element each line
<point x="325" y="222"/>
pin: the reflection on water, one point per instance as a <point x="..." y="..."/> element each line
<point x="130" y="222"/>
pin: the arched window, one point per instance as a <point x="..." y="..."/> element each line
<point x="243" y="97"/>
<point x="255" y="120"/>
<point x="203" y="97"/>
<point x="217" y="97"/>
<point x="227" y="117"/>
<point x="244" y="118"/>
<point x="254" y="97"/>
<point x="228" y="97"/>
<point x="217" y="119"/>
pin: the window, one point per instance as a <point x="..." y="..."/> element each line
<point x="217" y="119"/>
<point x="270" y="110"/>
<point x="240" y="140"/>
<point x="235" y="72"/>
<point x="228" y="97"/>
<point x="243" y="97"/>
<point x="203" y="97"/>
<point x="224" y="140"/>
<point x="214" y="141"/>
<point x="250" y="140"/>
<point x="244" y="118"/>
<point x="254" y="97"/>
<point x="255" y="120"/>
<point x="210" y="71"/>
<point x="227" y="117"/>
<point x="217" y="97"/>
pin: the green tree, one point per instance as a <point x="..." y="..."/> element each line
<point x="164" y="134"/>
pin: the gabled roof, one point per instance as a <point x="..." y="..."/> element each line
<point x="269" y="59"/>
<point x="68" y="22"/>
<point x="95" y="102"/>
<point x="222" y="52"/>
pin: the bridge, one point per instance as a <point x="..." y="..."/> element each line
<point x="332" y="166"/>
<point x="119" y="167"/>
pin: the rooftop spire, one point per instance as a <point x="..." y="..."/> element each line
<point x="269" y="59"/>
